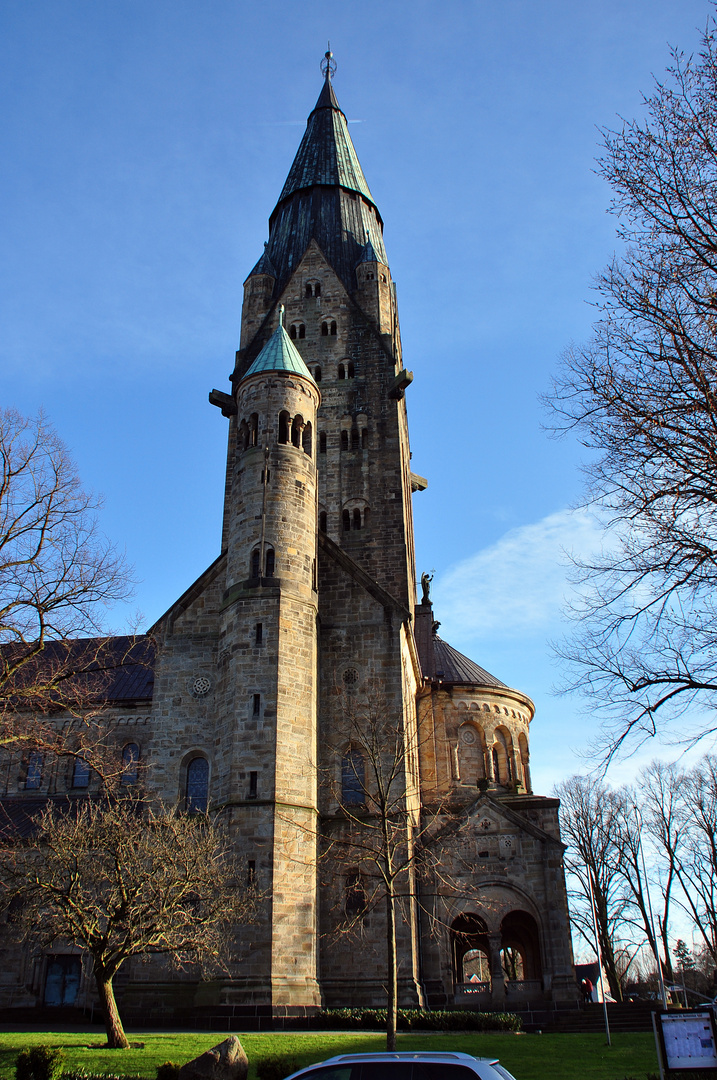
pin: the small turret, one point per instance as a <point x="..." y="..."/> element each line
<point x="258" y="292"/>
<point x="374" y="290"/>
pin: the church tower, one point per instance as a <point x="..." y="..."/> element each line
<point x="345" y="560"/>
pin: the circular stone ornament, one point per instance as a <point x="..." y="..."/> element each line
<point x="468" y="736"/>
<point x="201" y="686"/>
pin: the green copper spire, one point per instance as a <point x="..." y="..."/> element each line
<point x="279" y="354"/>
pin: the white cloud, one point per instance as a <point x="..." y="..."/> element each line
<point x="517" y="587"/>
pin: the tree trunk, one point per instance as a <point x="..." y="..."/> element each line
<point x="116" y="1038"/>
<point x="392" y="974"/>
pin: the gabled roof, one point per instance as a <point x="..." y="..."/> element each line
<point x="279" y="354"/>
<point x="326" y="154"/>
<point x="109" y="670"/>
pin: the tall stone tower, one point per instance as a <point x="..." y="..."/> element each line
<point x="343" y="586"/>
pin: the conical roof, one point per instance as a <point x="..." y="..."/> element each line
<point x="279" y="354"/>
<point x="326" y="199"/>
<point x="326" y="155"/>
<point x="455" y="668"/>
<point x="264" y="266"/>
<point x="368" y="255"/>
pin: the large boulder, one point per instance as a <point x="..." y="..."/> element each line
<point x="227" y="1061"/>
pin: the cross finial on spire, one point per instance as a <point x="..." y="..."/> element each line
<point x="328" y="64"/>
<point x="281" y="315"/>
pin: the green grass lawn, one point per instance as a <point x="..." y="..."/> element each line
<point x="529" y="1057"/>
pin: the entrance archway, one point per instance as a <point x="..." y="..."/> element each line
<point x="471" y="951"/>
<point x="520" y="947"/>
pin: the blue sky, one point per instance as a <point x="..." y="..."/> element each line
<point x="145" y="145"/>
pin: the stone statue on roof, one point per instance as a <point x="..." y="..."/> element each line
<point x="426" y="580"/>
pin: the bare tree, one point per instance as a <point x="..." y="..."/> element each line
<point x="642" y="396"/>
<point x="58" y="574"/>
<point x="590" y="822"/>
<point x="120" y="879"/>
<point x="377" y="836"/>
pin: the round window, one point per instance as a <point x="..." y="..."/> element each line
<point x="201" y="686"/>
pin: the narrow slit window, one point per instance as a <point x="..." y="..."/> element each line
<point x="364" y="438"/>
<point x="350" y="371"/>
<point x="357" y="518"/>
<point x="270" y="563"/>
<point x="317" y="374"/>
<point x="251" y="873"/>
<point x="302" y="330"/>
<point x="346" y="520"/>
<point x="306" y="439"/>
<point x="324" y="329"/>
<point x="256" y="705"/>
<point x="253" y="784"/>
<point x="259" y="634"/>
<point x="354" y="439"/>
<point x="342" y="371"/>
<point x="255" y="563"/>
<point x="308" y="291"/>
<point x="322" y="442"/>
<point x="333" y="328"/>
<point x="344" y="440"/>
<point x="322" y="521"/>
<point x="284" y="427"/>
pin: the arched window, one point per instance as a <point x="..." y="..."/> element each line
<point x="354" y="439"/>
<point x="322" y="521"/>
<point x="309" y="291"/>
<point x="130" y="763"/>
<point x="243" y="435"/>
<point x="352" y="779"/>
<point x="33" y="775"/>
<point x="496" y="765"/>
<point x="324" y="329"/>
<point x="364" y="438"/>
<point x="356" y="899"/>
<point x="369" y="275"/>
<point x="269" y="562"/>
<point x="333" y="328"/>
<point x="306" y="439"/>
<point x="255" y="563"/>
<point x="80" y="774"/>
<point x="317" y="289"/>
<point x="253" y="429"/>
<point x="346" y="516"/>
<point x="317" y="374"/>
<point x="350" y="371"/>
<point x="284" y="427"/>
<point x="357" y="518"/>
<point x="197" y="796"/>
<point x="296" y="429"/>
<point x="342" y="371"/>
<point x="292" y="332"/>
<point x="365" y="517"/>
<point x="302" y="330"/>
<point x="322" y="442"/>
<point x="344" y="440"/>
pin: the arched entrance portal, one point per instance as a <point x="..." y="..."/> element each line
<point x="471" y="958"/>
<point x="492" y="965"/>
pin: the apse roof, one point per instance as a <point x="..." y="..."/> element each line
<point x="279" y="354"/>
<point x="455" y="668"/>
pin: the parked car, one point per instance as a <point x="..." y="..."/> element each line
<point x="404" y="1066"/>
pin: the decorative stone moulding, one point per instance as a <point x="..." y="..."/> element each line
<point x="201" y="686"/>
